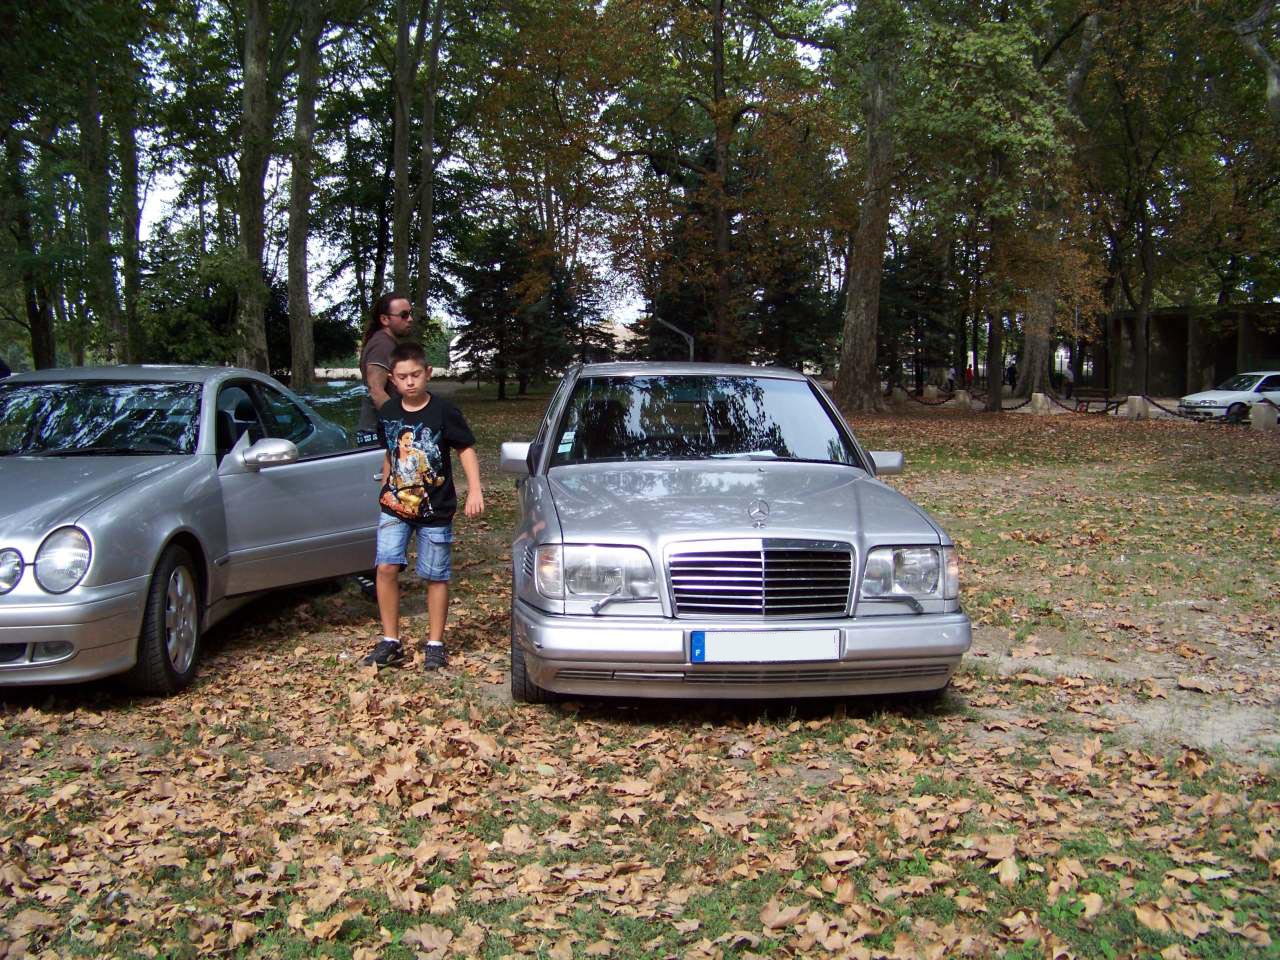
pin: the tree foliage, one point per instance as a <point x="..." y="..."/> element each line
<point x="875" y="191"/>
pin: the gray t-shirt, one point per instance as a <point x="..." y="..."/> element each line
<point x="376" y="353"/>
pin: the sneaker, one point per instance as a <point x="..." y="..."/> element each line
<point x="435" y="657"/>
<point x="385" y="654"/>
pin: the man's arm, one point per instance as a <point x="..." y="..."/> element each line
<point x="375" y="379"/>
<point x="471" y="467"/>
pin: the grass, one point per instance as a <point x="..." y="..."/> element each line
<point x="677" y="829"/>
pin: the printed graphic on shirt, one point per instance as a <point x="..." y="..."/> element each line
<point x="416" y="469"/>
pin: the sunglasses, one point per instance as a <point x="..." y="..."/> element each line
<point x="403" y="314"/>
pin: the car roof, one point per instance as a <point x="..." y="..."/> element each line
<point x="650" y="368"/>
<point x="144" y="372"/>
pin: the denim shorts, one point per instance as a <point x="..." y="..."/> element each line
<point x="435" y="545"/>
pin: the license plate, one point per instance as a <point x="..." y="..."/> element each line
<point x="754" y="646"/>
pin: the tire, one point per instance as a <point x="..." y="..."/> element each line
<point x="169" y="644"/>
<point x="524" y="690"/>
<point x="1237" y="413"/>
<point x="927" y="698"/>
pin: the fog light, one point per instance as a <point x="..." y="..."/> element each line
<point x="52" y="650"/>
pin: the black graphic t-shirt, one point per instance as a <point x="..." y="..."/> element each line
<point x="419" y="486"/>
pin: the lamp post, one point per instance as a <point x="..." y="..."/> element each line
<point x="671" y="326"/>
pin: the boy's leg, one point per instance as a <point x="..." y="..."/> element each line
<point x="389" y="599"/>
<point x="393" y="539"/>
<point x="437" y="609"/>
<point x="435" y="566"/>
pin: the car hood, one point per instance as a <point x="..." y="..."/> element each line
<point x="40" y="493"/>
<point x="1219" y="396"/>
<point x="655" y="503"/>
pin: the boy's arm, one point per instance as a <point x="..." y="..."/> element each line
<point x="386" y="469"/>
<point x="471" y="467"/>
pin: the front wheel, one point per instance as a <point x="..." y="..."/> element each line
<point x="1237" y="413"/>
<point x="524" y="690"/>
<point x="169" y="645"/>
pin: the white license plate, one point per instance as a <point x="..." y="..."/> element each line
<point x="725" y="646"/>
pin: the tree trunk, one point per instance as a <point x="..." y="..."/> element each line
<point x="427" y="178"/>
<point x="724" y="345"/>
<point x="255" y="153"/>
<point x="358" y="265"/>
<point x="100" y="288"/>
<point x="857" y="385"/>
<point x="1142" y="314"/>
<point x="35" y="286"/>
<point x="1037" y="348"/>
<point x="1037" y="351"/>
<point x="126" y="124"/>
<point x="302" y="361"/>
<point x="401" y="89"/>
<point x="995" y="361"/>
<point x="1248" y="31"/>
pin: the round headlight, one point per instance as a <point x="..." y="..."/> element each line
<point x="62" y="559"/>
<point x="10" y="569"/>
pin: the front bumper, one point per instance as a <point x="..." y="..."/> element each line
<point x="651" y="656"/>
<point x="100" y="626"/>
<point x="1203" y="413"/>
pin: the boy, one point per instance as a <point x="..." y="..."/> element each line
<point x="417" y="497"/>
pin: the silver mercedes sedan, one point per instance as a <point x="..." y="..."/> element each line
<point x="714" y="531"/>
<point x="143" y="504"/>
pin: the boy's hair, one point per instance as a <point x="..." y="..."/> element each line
<point x="408" y="351"/>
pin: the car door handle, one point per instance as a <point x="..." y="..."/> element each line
<point x="377" y="476"/>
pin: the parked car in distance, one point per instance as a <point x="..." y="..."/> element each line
<point x="716" y="531"/>
<point x="1232" y="398"/>
<point x="143" y="504"/>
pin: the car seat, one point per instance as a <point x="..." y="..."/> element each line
<point x="603" y="431"/>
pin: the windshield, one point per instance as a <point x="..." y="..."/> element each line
<point x="697" y="417"/>
<point x="98" y="417"/>
<point x="1241" y="381"/>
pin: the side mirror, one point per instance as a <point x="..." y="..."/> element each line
<point x="515" y="458"/>
<point x="886" y="461"/>
<point x="269" y="452"/>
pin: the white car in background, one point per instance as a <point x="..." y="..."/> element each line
<point x="1232" y="399"/>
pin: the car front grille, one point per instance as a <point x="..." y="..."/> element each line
<point x="765" y="578"/>
<point x="773" y="674"/>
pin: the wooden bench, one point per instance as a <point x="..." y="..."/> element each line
<point x="1087" y="397"/>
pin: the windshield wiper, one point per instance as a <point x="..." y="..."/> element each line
<point x="92" y="452"/>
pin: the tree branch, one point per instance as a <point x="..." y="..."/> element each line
<point x="1067" y="34"/>
<point x="781" y="33"/>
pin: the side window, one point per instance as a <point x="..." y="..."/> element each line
<point x="284" y="418"/>
<point x="545" y="427"/>
<point x="1270" y="384"/>
<point x="236" y="415"/>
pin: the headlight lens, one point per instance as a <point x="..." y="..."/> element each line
<point x="912" y="571"/>
<point x="10" y="569"/>
<point x="62" y="559"/>
<point x="584" y="572"/>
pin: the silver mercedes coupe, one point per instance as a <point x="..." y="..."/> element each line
<point x="716" y="531"/>
<point x="140" y="505"/>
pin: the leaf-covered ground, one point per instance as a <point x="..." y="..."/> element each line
<point x="1102" y="781"/>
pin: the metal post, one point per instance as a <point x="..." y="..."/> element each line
<point x="671" y="326"/>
